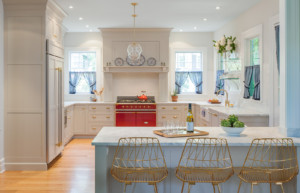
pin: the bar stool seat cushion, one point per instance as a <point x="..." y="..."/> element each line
<point x="204" y="174"/>
<point x="146" y="175"/>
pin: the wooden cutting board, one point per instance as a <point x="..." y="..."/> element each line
<point x="180" y="133"/>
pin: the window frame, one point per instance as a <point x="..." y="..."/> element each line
<point x="68" y="52"/>
<point x="204" y="52"/>
<point x="254" y="32"/>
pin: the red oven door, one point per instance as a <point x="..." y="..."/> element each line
<point x="146" y="119"/>
<point x="125" y="119"/>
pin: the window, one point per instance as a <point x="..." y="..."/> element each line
<point x="188" y="72"/>
<point x="253" y="60"/>
<point x="82" y="72"/>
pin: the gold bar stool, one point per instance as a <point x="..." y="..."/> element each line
<point x="270" y="160"/>
<point x="139" y="160"/>
<point x="205" y="160"/>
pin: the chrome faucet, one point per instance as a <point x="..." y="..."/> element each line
<point x="227" y="103"/>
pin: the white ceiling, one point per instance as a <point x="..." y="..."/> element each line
<point x="177" y="14"/>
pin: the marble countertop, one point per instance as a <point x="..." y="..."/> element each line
<point x="238" y="111"/>
<point x="109" y="136"/>
<point x="70" y="103"/>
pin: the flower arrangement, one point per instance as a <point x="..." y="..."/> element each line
<point x="226" y="44"/>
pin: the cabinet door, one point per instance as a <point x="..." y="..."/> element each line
<point x="214" y="119"/>
<point x="125" y="119"/>
<point x="80" y="116"/>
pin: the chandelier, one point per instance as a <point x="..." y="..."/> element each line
<point x="134" y="49"/>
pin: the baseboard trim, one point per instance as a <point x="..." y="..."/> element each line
<point x="2" y="165"/>
<point x="84" y="136"/>
<point x="26" y="166"/>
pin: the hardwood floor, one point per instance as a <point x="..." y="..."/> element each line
<point x="72" y="173"/>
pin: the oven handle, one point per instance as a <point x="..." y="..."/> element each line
<point x="145" y="112"/>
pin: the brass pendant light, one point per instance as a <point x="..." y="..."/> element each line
<point x="134" y="49"/>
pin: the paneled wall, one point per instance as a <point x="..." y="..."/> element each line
<point x="25" y="94"/>
<point x="1" y="90"/>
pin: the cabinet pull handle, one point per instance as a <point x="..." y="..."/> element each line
<point x="163" y="117"/>
<point x="213" y="114"/>
<point x="58" y="144"/>
<point x="174" y="108"/>
<point x="107" y="107"/>
<point x="94" y="108"/>
<point x="163" y="107"/>
<point x="83" y="108"/>
<point x="108" y="117"/>
<point x="94" y="128"/>
<point x="175" y="117"/>
<point x="55" y="36"/>
<point x="69" y="117"/>
<point x="94" y="117"/>
<point x="146" y="123"/>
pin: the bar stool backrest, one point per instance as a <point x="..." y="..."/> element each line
<point x="272" y="153"/>
<point x="206" y="153"/>
<point x="139" y="152"/>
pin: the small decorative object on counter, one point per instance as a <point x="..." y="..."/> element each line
<point x="93" y="98"/>
<point x="190" y="120"/>
<point x="214" y="101"/>
<point x="174" y="96"/>
<point x="97" y="93"/>
<point x="232" y="126"/>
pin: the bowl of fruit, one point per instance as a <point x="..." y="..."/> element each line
<point x="214" y="101"/>
<point x="232" y="126"/>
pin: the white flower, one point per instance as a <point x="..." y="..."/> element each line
<point x="228" y="47"/>
<point x="223" y="41"/>
<point x="229" y="42"/>
<point x="217" y="44"/>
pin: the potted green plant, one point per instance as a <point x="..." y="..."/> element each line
<point x="174" y="96"/>
<point x="232" y="125"/>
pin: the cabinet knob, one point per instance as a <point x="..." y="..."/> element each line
<point x="55" y="36"/>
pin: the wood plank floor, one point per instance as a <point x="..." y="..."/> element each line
<point x="72" y="173"/>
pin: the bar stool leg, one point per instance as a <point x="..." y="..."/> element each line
<point x="251" y="187"/>
<point x="124" y="190"/>
<point x="189" y="188"/>
<point x="182" y="187"/>
<point x="270" y="187"/>
<point x="282" y="189"/>
<point x="240" y="186"/>
<point x="155" y="188"/>
<point x="219" y="188"/>
<point x="214" y="188"/>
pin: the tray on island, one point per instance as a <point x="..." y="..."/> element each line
<point x="179" y="133"/>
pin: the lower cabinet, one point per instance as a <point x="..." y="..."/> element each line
<point x="89" y="119"/>
<point x="68" y="126"/>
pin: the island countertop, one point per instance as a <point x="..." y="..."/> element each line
<point x="109" y="136"/>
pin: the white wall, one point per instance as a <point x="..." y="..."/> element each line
<point x="1" y="90"/>
<point x="262" y="13"/>
<point x="86" y="41"/>
<point x="192" y="41"/>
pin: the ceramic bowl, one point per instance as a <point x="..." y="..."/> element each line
<point x="233" y="131"/>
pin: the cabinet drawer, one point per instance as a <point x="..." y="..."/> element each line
<point x="101" y="108"/>
<point x="170" y="108"/>
<point x="166" y="117"/>
<point x="101" y="117"/>
<point x="94" y="128"/>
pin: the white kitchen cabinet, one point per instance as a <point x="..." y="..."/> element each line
<point x="68" y="130"/>
<point x="80" y="119"/>
<point x="170" y="111"/>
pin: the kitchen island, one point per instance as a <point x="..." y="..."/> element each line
<point x="107" y="140"/>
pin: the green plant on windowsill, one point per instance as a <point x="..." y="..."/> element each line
<point x="174" y="96"/>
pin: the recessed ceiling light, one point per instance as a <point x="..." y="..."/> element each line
<point x="87" y="26"/>
<point x="71" y="7"/>
<point x="204" y="19"/>
<point x="80" y="18"/>
<point x="195" y="28"/>
<point x="218" y="8"/>
<point x="181" y="30"/>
